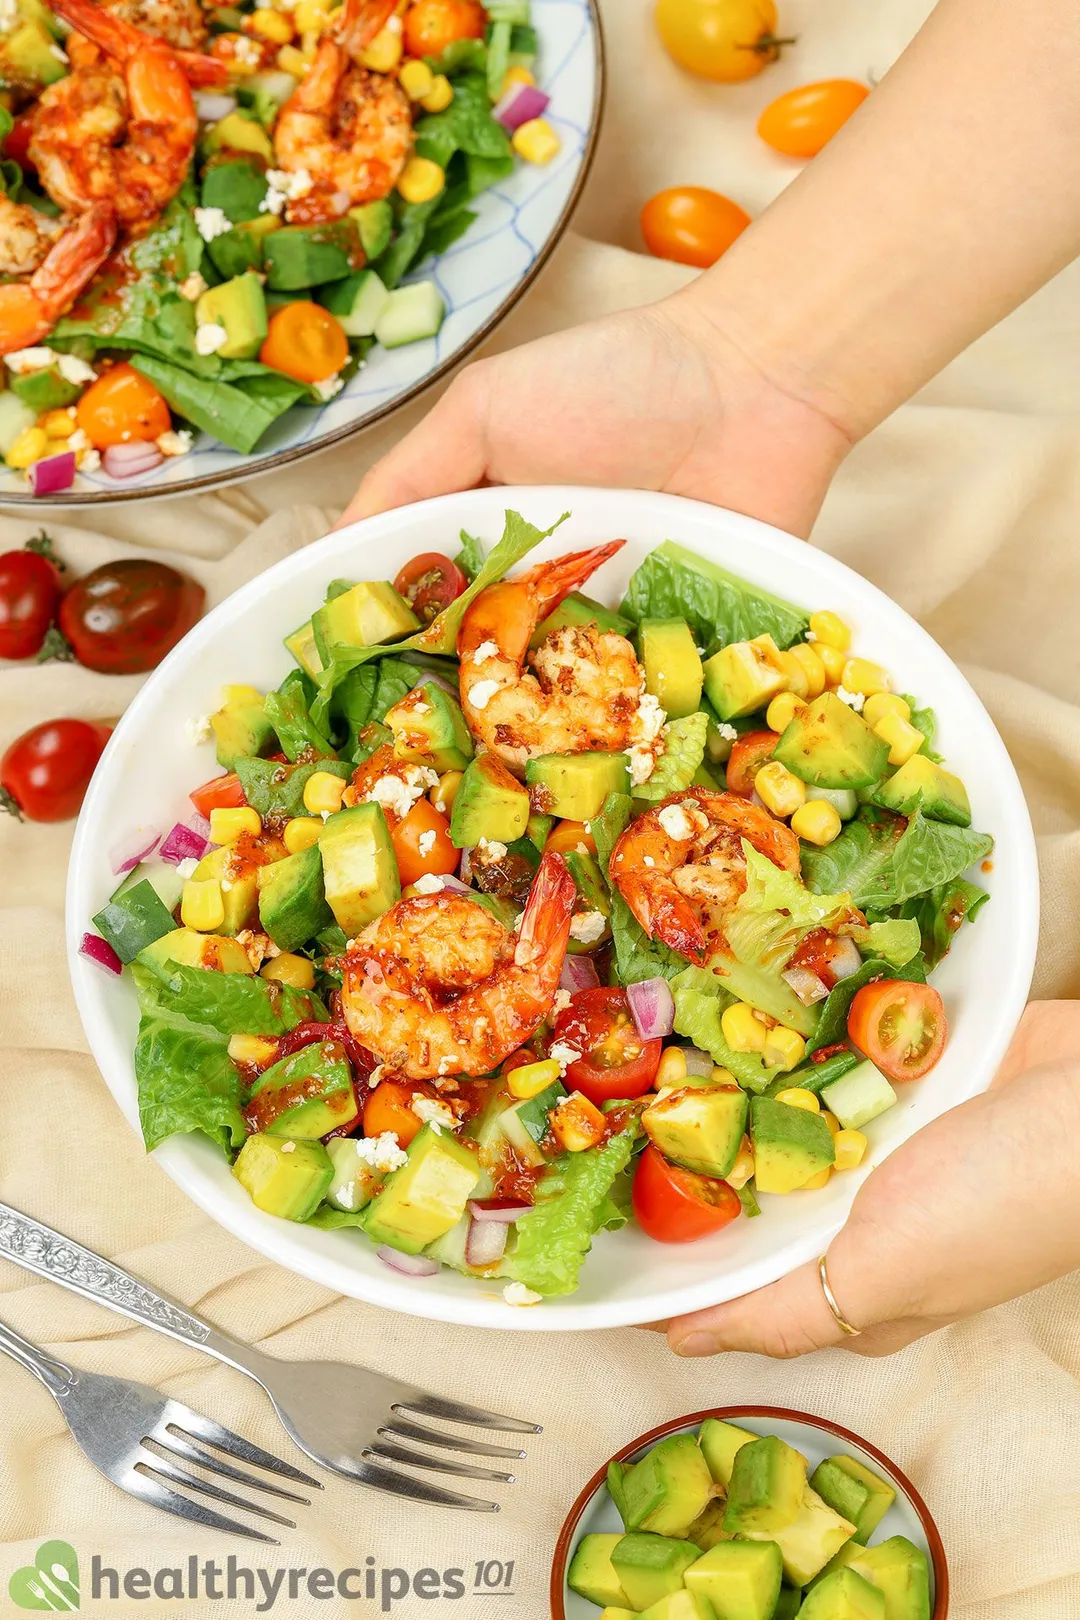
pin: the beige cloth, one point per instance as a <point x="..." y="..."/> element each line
<point x="964" y="507"/>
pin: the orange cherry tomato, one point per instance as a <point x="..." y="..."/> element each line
<point x="432" y="25"/>
<point x="900" y="1027"/>
<point x="723" y="40"/>
<point x="570" y="838"/>
<point x="305" y="341"/>
<point x="802" y="121"/>
<point x="220" y="793"/>
<point x="120" y="406"/>
<point x="389" y="1108"/>
<point x="416" y="852"/>
<point x="748" y="754"/>
<point x="691" y="225"/>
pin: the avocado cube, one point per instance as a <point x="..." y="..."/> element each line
<point x="239" y="306"/>
<point x="788" y="1603"/>
<point x="859" y="1096"/>
<point x="651" y="1567"/>
<point x="283" y="1177"/>
<point x="366" y="615"/>
<point x="489" y="803"/>
<point x="427" y="1196"/>
<point x="360" y="872"/>
<point x="187" y="948"/>
<point x="577" y="609"/>
<point x="766" y="1489"/>
<point x="616" y="1474"/>
<point x="844" y="1595"/>
<point x="899" y="1570"/>
<point x="855" y="1492"/>
<point x="591" y="1574"/>
<point x="305" y="1095"/>
<point x="740" y="1579"/>
<point x="611" y="1613"/>
<point x="575" y="786"/>
<point x="699" y="1129"/>
<point x="791" y="1146"/>
<point x="672" y="665"/>
<point x="667" y="1490"/>
<point x="681" y="1605"/>
<point x="429" y="729"/>
<point x="375" y="222"/>
<point x="708" y="1528"/>
<point x="743" y="677"/>
<point x="239" y="879"/>
<point x="241" y="725"/>
<point x="238" y="132"/>
<point x="538" y="829"/>
<point x="292" y="899"/>
<point x="828" y="745"/>
<point x="303" y="648"/>
<point x="29" y="57"/>
<point x="302" y="256"/>
<point x="923" y="784"/>
<point x="720" y="1442"/>
<point x="44" y="390"/>
<point x="809" y="1541"/>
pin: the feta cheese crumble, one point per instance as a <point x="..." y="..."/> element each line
<point x="516" y="1293"/>
<point x="482" y="693"/>
<point x="426" y="842"/>
<point x="329" y="386"/>
<point x="561" y="1002"/>
<point x="486" y="650"/>
<point x="491" y="850"/>
<point x="186" y="867"/>
<point x="288" y="1147"/>
<point x="284" y="187"/>
<point x="23" y="361"/>
<point x="192" y="286"/>
<point x="649" y="720"/>
<point x="811" y="636"/>
<point x="564" y="1054"/>
<point x="198" y="730"/>
<point x="382" y="1153"/>
<point x="375" y="1077"/>
<point x="854" y="700"/>
<point x="210" y="222"/>
<point x="398" y="794"/>
<point x="642" y="763"/>
<point x="429" y="883"/>
<point x="588" y="926"/>
<point x="74" y="370"/>
<point x="174" y="442"/>
<point x="210" y="337"/>
<point x="435" y="1114"/>
<point x="727" y="731"/>
<point x="675" y="822"/>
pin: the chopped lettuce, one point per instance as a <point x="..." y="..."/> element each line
<point x="364" y="696"/>
<point x="895" y="940"/>
<point x="638" y="957"/>
<point x="770" y="888"/>
<point x="941" y="912"/>
<point x="700" y="1002"/>
<point x="274" y="789"/>
<point x="470" y="559"/>
<point x="289" y="712"/>
<point x="673" y="583"/>
<point x="684" y="750"/>
<point x="238" y="413"/>
<point x="885" y="860"/>
<point x="574" y="1201"/>
<point x="832" y="1023"/>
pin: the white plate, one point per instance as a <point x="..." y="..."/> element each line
<point x="481" y="278"/>
<point x="149" y="767"/>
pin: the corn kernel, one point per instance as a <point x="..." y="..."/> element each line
<point x="532" y="1078"/>
<point x="296" y="971"/>
<point x="722" y="1077"/>
<point x="860" y="675"/>
<point x="850" y="1148"/>
<point x="831" y="1121"/>
<point x="830" y="629"/>
<point x="782" y="711"/>
<point x="903" y="738"/>
<point x="416" y="79"/>
<point x="778" y="790"/>
<point x="879" y="704"/>
<point x="516" y="75"/>
<point x="817" y="821"/>
<point x="577" y="1124"/>
<point x="421" y="180"/>
<point x="794" y="676"/>
<point x="812" y="668"/>
<point x="226" y="826"/>
<point x="832" y="662"/>
<point x="29" y="447"/>
<point x="439" y="96"/>
<point x="743" y="1168"/>
<point x="309" y="46"/>
<point x="799" y="1097"/>
<point x="290" y="60"/>
<point x="443" y="794"/>
<point x="240" y="694"/>
<point x="272" y="25"/>
<point x="785" y="1049"/>
<point x="310" y="16"/>
<point x="201" y="905"/>
<point x="57" y="424"/>
<point x="386" y="49"/>
<point x="323" y="791"/>
<point x="671" y="1070"/>
<point x="255" y="1049"/>
<point x="536" y="141"/>
<point x="743" y="1031"/>
<point x="815" y="1183"/>
<point x="300" y="833"/>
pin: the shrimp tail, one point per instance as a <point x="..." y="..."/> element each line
<point x="361" y="20"/>
<point x="204" y="72"/>
<point x="552" y="581"/>
<point x="666" y="915"/>
<point x="117" y="38"/>
<point x="545" y="923"/>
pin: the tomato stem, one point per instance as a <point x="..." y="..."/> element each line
<point x="10" y="804"/>
<point x="43" y="544"/>
<point x="55" y="647"/>
<point x="770" y="44"/>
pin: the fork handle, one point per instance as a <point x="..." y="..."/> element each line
<point x="57" y="1378"/>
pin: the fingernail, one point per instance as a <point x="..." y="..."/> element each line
<point x="696" y="1344"/>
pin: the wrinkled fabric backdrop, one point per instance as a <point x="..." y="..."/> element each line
<point x="964" y="507"/>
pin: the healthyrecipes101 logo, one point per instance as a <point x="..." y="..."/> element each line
<point x="50" y="1582"/>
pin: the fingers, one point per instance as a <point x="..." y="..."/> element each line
<point x="446" y="452"/>
<point x="789" y="1318"/>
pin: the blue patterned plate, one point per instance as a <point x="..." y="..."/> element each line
<point x="481" y="279"/>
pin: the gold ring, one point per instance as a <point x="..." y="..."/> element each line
<point x="830" y="1300"/>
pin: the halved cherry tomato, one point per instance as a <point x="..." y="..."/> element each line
<point x="120" y="406"/>
<point x="691" y="225"/>
<point x="305" y="341"/>
<point x="615" y="1062"/>
<point x="389" y="1108"/>
<point x="801" y="122"/>
<point x="17" y="143"/>
<point x="416" y="851"/>
<point x="429" y="583"/>
<point x="747" y="757"/>
<point x="45" y="773"/>
<point x="220" y="793"/>
<point x="673" y="1205"/>
<point x="29" y="591"/>
<point x="570" y="838"/>
<point x="723" y="40"/>
<point x="122" y="618"/>
<point x="900" y="1027"/>
<point x="432" y="25"/>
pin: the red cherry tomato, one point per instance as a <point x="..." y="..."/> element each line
<point x="29" y="591"/>
<point x="673" y="1205"/>
<point x="800" y="122"/>
<point x="17" y="144"/>
<point x="123" y="618"/>
<point x="615" y="1062"/>
<point x="900" y="1027"/>
<point x="429" y="583"/>
<point x="45" y="773"/>
<point x="691" y="225"/>
<point x="220" y="793"/>
<point x="747" y="757"/>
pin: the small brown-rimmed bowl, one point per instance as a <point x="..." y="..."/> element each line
<point x="815" y="1437"/>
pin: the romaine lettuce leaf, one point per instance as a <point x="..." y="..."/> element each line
<point x="684" y="750"/>
<point x="895" y="940"/>
<point x="364" y="696"/>
<point x="274" y="789"/>
<point x="288" y="710"/>
<point x="885" y="860"/>
<point x="673" y="583"/>
<point x="574" y="1202"/>
<point x="941" y="912"/>
<point x="770" y="888"/>
<point x="470" y="559"/>
<point x="238" y="413"/>
<point x="700" y="1001"/>
<point x="832" y="1024"/>
<point x="637" y="956"/>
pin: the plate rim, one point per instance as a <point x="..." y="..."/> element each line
<point x="206" y="482"/>
<point x="787" y="1414"/>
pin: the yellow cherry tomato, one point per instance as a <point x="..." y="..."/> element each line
<point x="802" y="121"/>
<point x="305" y="341"/>
<point x="724" y="40"/>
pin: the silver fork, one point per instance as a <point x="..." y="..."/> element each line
<point x="137" y="1437"/>
<point x="350" y="1419"/>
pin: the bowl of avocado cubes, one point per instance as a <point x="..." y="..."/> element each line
<point x="660" y="1125"/>
<point x="750" y="1513"/>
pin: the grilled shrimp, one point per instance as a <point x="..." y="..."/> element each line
<point x="437" y="986"/>
<point x="30" y="309"/>
<point x="587" y="689"/>
<point x="180" y="23"/>
<point x="121" y="130"/>
<point x="680" y="867"/>
<point x="26" y="235"/>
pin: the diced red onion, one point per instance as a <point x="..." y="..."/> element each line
<point x="52" y="474"/>
<point x="184" y="844"/>
<point x="200" y="825"/>
<point x="131" y="458"/>
<point x="698" y="1063"/>
<point x="125" y="856"/>
<point x="806" y="985"/>
<point x="520" y="103"/>
<point x="578" y="973"/>
<point x="212" y="106"/>
<point x="652" y="1007"/>
<point x="410" y="1265"/>
<point x="485" y="1244"/>
<point x="505" y="1214"/>
<point x="844" y="958"/>
<point x="465" y="869"/>
<point x="429" y="678"/>
<point x="449" y="881"/>
<point x="101" y="953"/>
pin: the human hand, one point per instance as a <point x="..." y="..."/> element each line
<point x="980" y="1207"/>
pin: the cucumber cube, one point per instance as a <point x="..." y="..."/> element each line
<point x="409" y="314"/>
<point x="859" y="1097"/>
